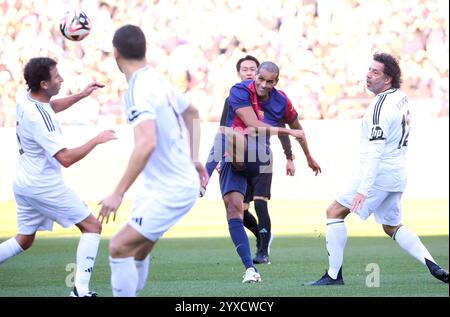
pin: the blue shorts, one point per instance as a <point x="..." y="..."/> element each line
<point x="233" y="180"/>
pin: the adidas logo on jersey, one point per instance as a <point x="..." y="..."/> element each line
<point x="138" y="220"/>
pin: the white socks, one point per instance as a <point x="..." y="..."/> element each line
<point x="86" y="254"/>
<point x="142" y="271"/>
<point x="336" y="240"/>
<point x="124" y="277"/>
<point x="410" y="242"/>
<point x="9" y="248"/>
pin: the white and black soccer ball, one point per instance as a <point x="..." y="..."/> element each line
<point x="75" y="25"/>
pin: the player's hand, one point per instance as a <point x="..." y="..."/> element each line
<point x="218" y="168"/>
<point x="106" y="136"/>
<point x="290" y="168"/>
<point x="90" y="88"/>
<point x="202" y="174"/>
<point x="357" y="202"/>
<point x="204" y="177"/>
<point x="109" y="204"/>
<point x="314" y="166"/>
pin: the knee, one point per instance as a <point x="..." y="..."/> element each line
<point x="337" y="211"/>
<point x="116" y="249"/>
<point x="25" y="242"/>
<point x="389" y="230"/>
<point x="234" y="210"/>
<point x="94" y="227"/>
<point x="97" y="227"/>
<point x="331" y="212"/>
<point x="91" y="225"/>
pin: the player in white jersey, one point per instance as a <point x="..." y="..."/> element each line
<point x="163" y="153"/>
<point x="382" y="177"/>
<point x="42" y="197"/>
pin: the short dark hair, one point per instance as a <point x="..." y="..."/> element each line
<point x="270" y="67"/>
<point x="130" y="41"/>
<point x="391" y="68"/>
<point x="246" y="58"/>
<point x="36" y="70"/>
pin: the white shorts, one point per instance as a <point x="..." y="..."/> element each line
<point x="38" y="212"/>
<point x="155" y="212"/>
<point x="385" y="206"/>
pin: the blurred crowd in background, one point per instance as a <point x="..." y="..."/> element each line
<point x="323" y="48"/>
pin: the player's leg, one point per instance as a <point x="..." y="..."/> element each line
<point x="15" y="246"/>
<point x="233" y="186"/>
<point x="262" y="184"/>
<point x="250" y="221"/>
<point x="153" y="214"/>
<point x="261" y="192"/>
<point x="142" y="262"/>
<point x="233" y="204"/>
<point x="63" y="206"/>
<point x="251" y="224"/>
<point x="336" y="239"/>
<point x="87" y="251"/>
<point x="29" y="220"/>
<point x="389" y="215"/>
<point x="123" y="248"/>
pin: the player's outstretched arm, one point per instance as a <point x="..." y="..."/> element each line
<point x="62" y="104"/>
<point x="295" y="125"/>
<point x="68" y="157"/>
<point x="248" y="116"/>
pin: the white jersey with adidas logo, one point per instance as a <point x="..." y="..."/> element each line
<point x="39" y="139"/>
<point x="170" y="166"/>
<point x="384" y="140"/>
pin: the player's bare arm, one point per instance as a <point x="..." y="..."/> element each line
<point x="192" y="122"/>
<point x="62" y="104"/>
<point x="144" y="145"/>
<point x="296" y="125"/>
<point x="67" y="157"/>
<point x="248" y="116"/>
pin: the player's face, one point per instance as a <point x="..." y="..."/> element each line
<point x="54" y="84"/>
<point x="247" y="70"/>
<point x="376" y="80"/>
<point x="265" y="81"/>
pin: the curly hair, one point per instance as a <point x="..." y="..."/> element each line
<point x="391" y="68"/>
<point x="36" y="70"/>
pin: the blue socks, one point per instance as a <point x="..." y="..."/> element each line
<point x="240" y="240"/>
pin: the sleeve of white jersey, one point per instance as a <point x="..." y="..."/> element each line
<point x="45" y="132"/>
<point x="179" y="102"/>
<point x="378" y="123"/>
<point x="140" y="104"/>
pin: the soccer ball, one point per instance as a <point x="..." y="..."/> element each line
<point x="75" y="25"/>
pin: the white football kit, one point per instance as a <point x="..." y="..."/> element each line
<point x="170" y="180"/>
<point x="39" y="189"/>
<point x="382" y="176"/>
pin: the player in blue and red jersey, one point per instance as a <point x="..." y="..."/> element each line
<point x="255" y="108"/>
<point x="258" y="187"/>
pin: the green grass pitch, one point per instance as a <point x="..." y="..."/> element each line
<point x="197" y="258"/>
